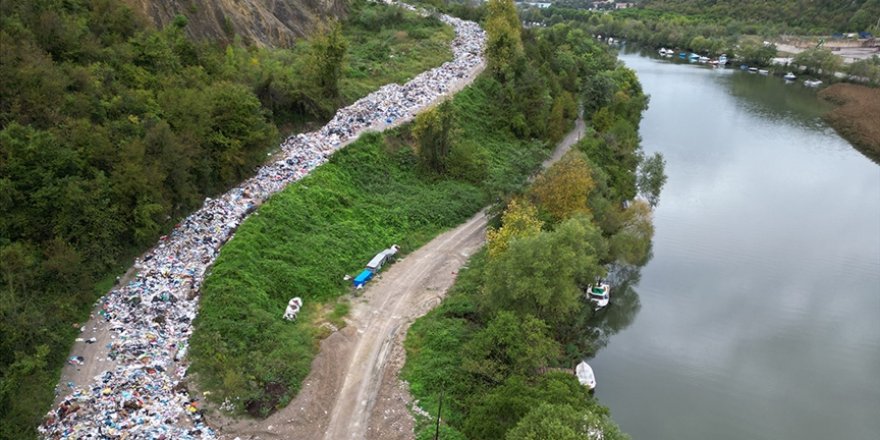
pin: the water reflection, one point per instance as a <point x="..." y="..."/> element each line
<point x="758" y="313"/>
<point x="595" y="328"/>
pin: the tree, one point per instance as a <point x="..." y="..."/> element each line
<point x="520" y="219"/>
<point x="651" y="178"/>
<point x="509" y="345"/>
<point x="869" y="69"/>
<point x="433" y="131"/>
<point x="631" y="243"/>
<point x="564" y="422"/>
<point x="327" y="58"/>
<point x="756" y="53"/>
<point x="564" y="188"/>
<point x="504" y="44"/>
<point x="819" y="60"/>
<point x="542" y="274"/>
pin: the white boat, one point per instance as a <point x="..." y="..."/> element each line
<point x="812" y="83"/>
<point x="704" y="59"/>
<point x="584" y="373"/>
<point x="722" y="60"/>
<point x="763" y="71"/>
<point x="599" y="294"/>
<point x="789" y="76"/>
<point x="663" y="52"/>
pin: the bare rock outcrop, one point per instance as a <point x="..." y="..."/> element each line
<point x="275" y="23"/>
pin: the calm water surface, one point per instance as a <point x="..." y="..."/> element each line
<point x="760" y="312"/>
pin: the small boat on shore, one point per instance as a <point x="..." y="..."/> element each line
<point x="763" y="71"/>
<point x="813" y="83"/>
<point x="753" y="70"/>
<point x="599" y="294"/>
<point x="722" y="60"/>
<point x="585" y="375"/>
<point x="789" y="77"/>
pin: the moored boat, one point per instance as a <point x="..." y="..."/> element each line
<point x="599" y="294"/>
<point x="789" y="76"/>
<point x="812" y="83"/>
<point x="585" y="375"/>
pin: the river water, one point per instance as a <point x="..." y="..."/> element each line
<point x="759" y="315"/>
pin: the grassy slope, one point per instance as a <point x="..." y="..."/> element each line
<point x="394" y="55"/>
<point x="302" y="241"/>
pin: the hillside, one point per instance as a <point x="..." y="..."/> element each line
<point x="261" y="22"/>
<point x="829" y="15"/>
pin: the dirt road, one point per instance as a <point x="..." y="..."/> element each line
<point x="353" y="390"/>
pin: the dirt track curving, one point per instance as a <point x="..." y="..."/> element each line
<point x="353" y="390"/>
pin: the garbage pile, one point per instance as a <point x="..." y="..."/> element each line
<point x="150" y="318"/>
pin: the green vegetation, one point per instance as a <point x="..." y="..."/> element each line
<point x="712" y="28"/>
<point x="388" y="44"/>
<point x="518" y="307"/>
<point x="380" y="191"/>
<point x="805" y="16"/>
<point x="302" y="241"/>
<point x="110" y="131"/>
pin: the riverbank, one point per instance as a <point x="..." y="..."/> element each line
<point x="857" y="116"/>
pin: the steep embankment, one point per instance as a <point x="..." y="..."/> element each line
<point x="857" y="116"/>
<point x="261" y="22"/>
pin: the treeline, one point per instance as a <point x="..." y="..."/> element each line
<point x="111" y="130"/>
<point x="796" y="16"/>
<point x="519" y="307"/>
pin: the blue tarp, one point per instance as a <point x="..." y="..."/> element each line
<point x="363" y="277"/>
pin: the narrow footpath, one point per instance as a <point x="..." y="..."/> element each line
<point x="354" y="390"/>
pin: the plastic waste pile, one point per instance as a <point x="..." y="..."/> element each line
<point x="144" y="395"/>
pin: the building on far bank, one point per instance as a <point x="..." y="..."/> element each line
<point x="539" y="5"/>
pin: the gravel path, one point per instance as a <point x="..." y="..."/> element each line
<point x="354" y="390"/>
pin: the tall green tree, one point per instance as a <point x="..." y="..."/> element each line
<point x="651" y="178"/>
<point x="509" y="344"/>
<point x="327" y="60"/>
<point x="504" y="45"/>
<point x="543" y="274"/>
<point x="433" y="131"/>
<point x="564" y="422"/>
<point x="819" y="60"/>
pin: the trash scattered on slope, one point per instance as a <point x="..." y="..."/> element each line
<point x="150" y="318"/>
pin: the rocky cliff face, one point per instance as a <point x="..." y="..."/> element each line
<point x="262" y="22"/>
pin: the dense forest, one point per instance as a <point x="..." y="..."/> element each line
<point x="809" y="16"/>
<point x="112" y="130"/>
<point x="512" y="313"/>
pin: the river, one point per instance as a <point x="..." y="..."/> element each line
<point x="759" y="314"/>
